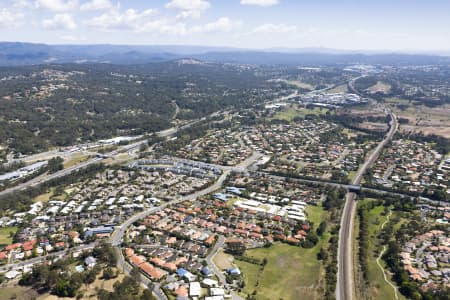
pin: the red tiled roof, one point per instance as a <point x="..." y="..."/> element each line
<point x="157" y="261"/>
<point x="136" y="260"/>
<point x="13" y="246"/>
<point x="146" y="267"/>
<point x="28" y="245"/>
<point x="170" y="266"/>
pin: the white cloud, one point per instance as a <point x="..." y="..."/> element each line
<point x="223" y="24"/>
<point x="260" y="2"/>
<point x="9" y="18"/>
<point x="275" y="28"/>
<point x="96" y="5"/>
<point x="57" y="5"/>
<point x="60" y="22"/>
<point x="163" y="27"/>
<point x="23" y="4"/>
<point x="168" y="27"/>
<point x="72" y="38"/>
<point x="189" y="8"/>
<point x="129" y="19"/>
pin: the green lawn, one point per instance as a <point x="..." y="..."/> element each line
<point x="250" y="273"/>
<point x="5" y="239"/>
<point x="290" y="112"/>
<point x="315" y="214"/>
<point x="290" y="271"/>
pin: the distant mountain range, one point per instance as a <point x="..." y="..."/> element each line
<point x="19" y="54"/>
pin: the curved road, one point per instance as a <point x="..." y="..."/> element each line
<point x="344" y="286"/>
<point x="117" y="236"/>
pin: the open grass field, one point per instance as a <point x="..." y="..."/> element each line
<point x="17" y="293"/>
<point x="5" y="238"/>
<point x="290" y="112"/>
<point x="422" y="119"/>
<point x="290" y="271"/>
<point x="50" y="194"/>
<point x="76" y="159"/>
<point x="300" y="84"/>
<point x="378" y="288"/>
<point x="44" y="197"/>
<point x="339" y="89"/>
<point x="380" y="86"/>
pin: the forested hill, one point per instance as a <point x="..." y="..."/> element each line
<point x="60" y="105"/>
<point x="19" y="54"/>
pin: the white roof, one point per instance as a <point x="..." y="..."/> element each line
<point x="217" y="292"/>
<point x="210" y="282"/>
<point x="194" y="289"/>
<point x="12" y="274"/>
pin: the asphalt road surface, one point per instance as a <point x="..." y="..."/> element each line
<point x="344" y="286"/>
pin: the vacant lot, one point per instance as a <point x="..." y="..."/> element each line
<point x="75" y="160"/>
<point x="290" y="271"/>
<point x="5" y="238"/>
<point x="290" y="112"/>
<point x="339" y="89"/>
<point x="380" y="87"/>
<point x="223" y="260"/>
<point x="299" y="84"/>
<point x="422" y="119"/>
<point x="17" y="293"/>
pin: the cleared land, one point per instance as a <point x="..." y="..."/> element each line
<point x="75" y="160"/>
<point x="293" y="111"/>
<point x="380" y="87"/>
<point x="290" y="271"/>
<point x="339" y="89"/>
<point x="223" y="260"/>
<point x="52" y="194"/>
<point x="5" y="238"/>
<point x="422" y="119"/>
<point x="17" y="293"/>
<point x="300" y="84"/>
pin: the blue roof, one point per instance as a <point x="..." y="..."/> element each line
<point x="206" y="271"/>
<point x="181" y="272"/>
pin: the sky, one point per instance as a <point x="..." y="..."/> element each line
<point x="404" y="25"/>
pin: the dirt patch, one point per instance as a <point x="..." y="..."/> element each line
<point x="223" y="260"/>
<point x="443" y="131"/>
<point x="382" y="127"/>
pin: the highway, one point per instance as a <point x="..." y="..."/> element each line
<point x="122" y="149"/>
<point x="344" y="286"/>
